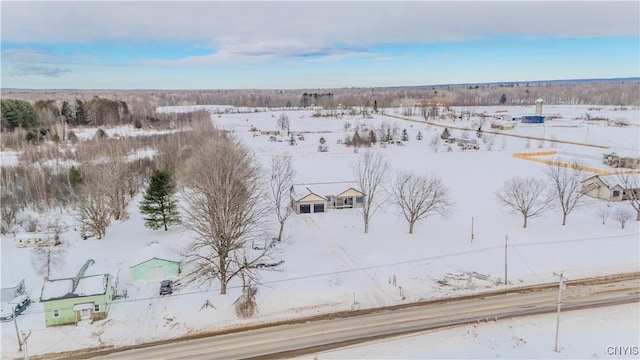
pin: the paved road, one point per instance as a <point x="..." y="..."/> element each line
<point x="502" y="133"/>
<point x="296" y="339"/>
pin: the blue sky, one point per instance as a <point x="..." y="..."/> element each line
<point x="293" y="44"/>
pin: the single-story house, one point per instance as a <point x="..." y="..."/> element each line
<point x="629" y="161"/>
<point x="67" y="301"/>
<point x="35" y="239"/>
<point x="318" y="197"/>
<point x="155" y="262"/>
<point x="608" y="187"/>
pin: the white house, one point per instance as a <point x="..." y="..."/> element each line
<point x="609" y="187"/>
<point x="318" y="197"/>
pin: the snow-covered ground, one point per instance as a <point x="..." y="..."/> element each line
<point x="331" y="265"/>
<point x="605" y="333"/>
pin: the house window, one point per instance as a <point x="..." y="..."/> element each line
<point x="96" y="307"/>
<point x="616" y="193"/>
<point x="359" y="200"/>
<point x="56" y="313"/>
<point x="318" y="208"/>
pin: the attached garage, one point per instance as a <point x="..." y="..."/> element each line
<point x="305" y="209"/>
<point x="312" y="203"/>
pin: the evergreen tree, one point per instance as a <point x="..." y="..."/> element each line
<point x="503" y="99"/>
<point x="158" y="204"/>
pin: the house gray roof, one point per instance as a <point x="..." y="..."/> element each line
<point x="612" y="181"/>
<point x="63" y="288"/>
<point x="322" y="189"/>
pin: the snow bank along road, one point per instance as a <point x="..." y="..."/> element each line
<point x="312" y="335"/>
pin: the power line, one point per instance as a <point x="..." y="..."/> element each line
<point x="380" y="266"/>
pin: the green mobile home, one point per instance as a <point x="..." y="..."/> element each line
<point x="68" y="301"/>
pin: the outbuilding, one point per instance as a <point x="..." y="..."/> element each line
<point x="155" y="262"/>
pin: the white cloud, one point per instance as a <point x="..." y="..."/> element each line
<point x="320" y="22"/>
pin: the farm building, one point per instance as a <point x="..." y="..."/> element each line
<point x="621" y="161"/>
<point x="68" y="301"/>
<point x="318" y="197"/>
<point x="607" y="187"/>
<point x="532" y="119"/>
<point x="154" y="262"/>
<point x="33" y="239"/>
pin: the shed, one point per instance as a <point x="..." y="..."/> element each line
<point x="35" y="239"/>
<point x="67" y="301"/>
<point x="154" y="262"/>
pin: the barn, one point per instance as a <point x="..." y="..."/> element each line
<point x="155" y="262"/>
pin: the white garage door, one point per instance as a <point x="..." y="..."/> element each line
<point x="155" y="273"/>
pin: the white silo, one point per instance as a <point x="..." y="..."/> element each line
<point x="539" y="103"/>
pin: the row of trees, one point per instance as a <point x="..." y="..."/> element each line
<point x="417" y="196"/>
<point x="561" y="189"/>
<point x="46" y="113"/>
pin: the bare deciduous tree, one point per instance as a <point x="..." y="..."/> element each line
<point x="526" y="196"/>
<point x="8" y="213"/>
<point x="567" y="185"/>
<point x="224" y="208"/>
<point x="603" y="212"/>
<point x="370" y="172"/>
<point x="283" y="122"/>
<point x="419" y="197"/>
<point x="92" y="203"/>
<point x="435" y="143"/>
<point x="46" y="258"/>
<point x="282" y="174"/>
<point x="630" y="184"/>
<point x="622" y="215"/>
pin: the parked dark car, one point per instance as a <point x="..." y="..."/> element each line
<point x="166" y="287"/>
<point x="20" y="304"/>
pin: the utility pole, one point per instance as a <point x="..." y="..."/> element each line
<point x="505" y="259"/>
<point x="472" y="229"/>
<point x="15" y="322"/>
<point x="560" y="288"/>
<point x="24" y="338"/>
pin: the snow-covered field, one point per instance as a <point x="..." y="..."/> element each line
<point x="331" y="265"/>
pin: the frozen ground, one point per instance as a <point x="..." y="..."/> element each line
<point x="329" y="262"/>
<point x="606" y="333"/>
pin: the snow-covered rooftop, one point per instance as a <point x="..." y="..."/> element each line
<point x="63" y="288"/>
<point x="154" y="250"/>
<point x="323" y="189"/>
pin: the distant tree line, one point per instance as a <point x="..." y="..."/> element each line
<point x="142" y="104"/>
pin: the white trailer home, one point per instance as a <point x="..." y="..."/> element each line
<point x="34" y="239"/>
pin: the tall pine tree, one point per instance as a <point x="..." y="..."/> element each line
<point x="158" y="203"/>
